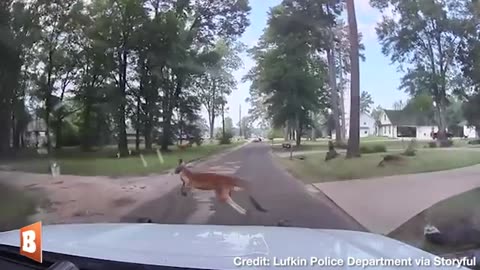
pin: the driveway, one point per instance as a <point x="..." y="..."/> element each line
<point x="286" y="198"/>
<point x="383" y="204"/>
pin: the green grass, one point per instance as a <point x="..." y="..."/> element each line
<point x="15" y="208"/>
<point x="390" y="144"/>
<point x="104" y="162"/>
<point x="314" y="169"/>
<point x="451" y="212"/>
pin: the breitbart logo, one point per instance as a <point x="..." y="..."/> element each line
<point x="31" y="241"/>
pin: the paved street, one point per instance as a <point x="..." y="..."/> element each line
<point x="285" y="197"/>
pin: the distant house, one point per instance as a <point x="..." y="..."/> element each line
<point x="367" y="126"/>
<point x="407" y="124"/>
<point x="36" y="133"/>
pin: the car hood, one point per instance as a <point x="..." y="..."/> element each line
<point x="223" y="247"/>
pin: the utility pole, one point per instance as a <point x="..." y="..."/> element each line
<point x="240" y="119"/>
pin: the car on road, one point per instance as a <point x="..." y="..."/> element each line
<point x="159" y="246"/>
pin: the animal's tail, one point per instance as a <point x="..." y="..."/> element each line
<point x="256" y="204"/>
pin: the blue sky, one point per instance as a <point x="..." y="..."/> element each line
<point x="377" y="76"/>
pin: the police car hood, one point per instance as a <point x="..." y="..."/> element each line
<point x="226" y="247"/>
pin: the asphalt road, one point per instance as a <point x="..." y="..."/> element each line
<point x="286" y="199"/>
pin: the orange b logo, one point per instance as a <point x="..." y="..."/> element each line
<point x="31" y="241"/>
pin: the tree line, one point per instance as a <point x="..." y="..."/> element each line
<point x="307" y="55"/>
<point x="100" y="67"/>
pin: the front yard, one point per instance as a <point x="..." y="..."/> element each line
<point x="105" y="163"/>
<point x="314" y="168"/>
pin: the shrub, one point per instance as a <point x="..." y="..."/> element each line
<point x="375" y="148"/>
<point x="432" y="144"/>
<point x="227" y="139"/>
<point x="474" y="142"/>
<point x="446" y="143"/>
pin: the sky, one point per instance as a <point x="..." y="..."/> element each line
<point x="377" y="75"/>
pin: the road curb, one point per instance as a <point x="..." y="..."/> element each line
<point x="348" y="216"/>
<point x="338" y="206"/>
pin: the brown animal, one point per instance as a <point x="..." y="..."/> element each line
<point x="223" y="185"/>
<point x="184" y="146"/>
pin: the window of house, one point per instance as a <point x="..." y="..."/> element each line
<point x="366" y="132"/>
<point x="385" y="117"/>
<point x="364" y="123"/>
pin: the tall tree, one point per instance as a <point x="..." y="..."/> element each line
<point x="218" y="80"/>
<point x="366" y="102"/>
<point x="343" y="66"/>
<point x="18" y="33"/>
<point x="353" y="149"/>
<point x="426" y="36"/>
<point x="289" y="71"/>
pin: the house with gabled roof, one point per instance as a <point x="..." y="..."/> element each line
<point x="412" y="124"/>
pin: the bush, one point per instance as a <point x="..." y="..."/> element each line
<point x="227" y="139"/>
<point x="432" y="144"/>
<point x="198" y="141"/>
<point x="474" y="142"/>
<point x="446" y="143"/>
<point x="375" y="148"/>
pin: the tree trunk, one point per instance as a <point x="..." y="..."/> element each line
<point x="212" y="126"/>
<point x="48" y="96"/>
<point x="148" y="127"/>
<point x="58" y="134"/>
<point x="298" y="132"/>
<point x="223" y="120"/>
<point x="334" y="93"/>
<point x="353" y="149"/>
<point x="342" y="100"/>
<point x="86" y="125"/>
<point x="211" y="110"/>
<point x="121" y="118"/>
<point x="168" y="107"/>
<point x="137" y="126"/>
<point x="15" y="131"/>
<point x="442" y="122"/>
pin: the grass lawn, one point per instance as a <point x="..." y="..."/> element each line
<point x="453" y="211"/>
<point x="391" y="144"/>
<point x="15" y="208"/>
<point x="104" y="162"/>
<point x="314" y="169"/>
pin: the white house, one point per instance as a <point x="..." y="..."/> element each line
<point x="367" y="126"/>
<point x="407" y="124"/>
<point x="367" y="123"/>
